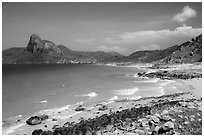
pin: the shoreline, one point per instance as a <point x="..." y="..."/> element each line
<point x="94" y="112"/>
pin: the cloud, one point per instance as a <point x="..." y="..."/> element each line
<point x="112" y="49"/>
<point x="153" y="36"/>
<point x="185" y="14"/>
<point x="129" y="42"/>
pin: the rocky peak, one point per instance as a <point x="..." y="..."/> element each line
<point x="36" y="44"/>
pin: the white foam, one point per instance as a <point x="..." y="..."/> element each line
<point x="134" y="98"/>
<point x="79" y="103"/>
<point x="41" y="102"/>
<point x="126" y="91"/>
<point x="155" y="80"/>
<point x="113" y="98"/>
<point x="63" y="108"/>
<point x="92" y="94"/>
<point x="167" y="82"/>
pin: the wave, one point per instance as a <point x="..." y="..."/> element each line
<point x="134" y="98"/>
<point x="155" y="80"/>
<point x="167" y="82"/>
<point x="41" y="102"/>
<point x="92" y="94"/>
<point x="126" y="91"/>
<point x="79" y="103"/>
<point x="113" y="98"/>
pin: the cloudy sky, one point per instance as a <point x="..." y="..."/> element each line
<point x="121" y="27"/>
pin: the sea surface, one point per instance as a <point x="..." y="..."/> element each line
<point x="28" y="88"/>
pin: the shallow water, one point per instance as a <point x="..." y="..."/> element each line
<point x="28" y="89"/>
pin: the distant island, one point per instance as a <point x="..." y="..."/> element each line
<point x="40" y="51"/>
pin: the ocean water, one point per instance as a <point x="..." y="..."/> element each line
<point x="28" y="88"/>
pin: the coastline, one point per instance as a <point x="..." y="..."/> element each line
<point x="112" y="106"/>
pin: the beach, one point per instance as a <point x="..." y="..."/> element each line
<point x="175" y="109"/>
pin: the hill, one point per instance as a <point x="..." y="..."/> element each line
<point x="188" y="52"/>
<point x="44" y="51"/>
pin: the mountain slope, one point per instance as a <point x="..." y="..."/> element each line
<point x="188" y="52"/>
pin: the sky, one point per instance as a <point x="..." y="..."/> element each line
<point x="112" y="27"/>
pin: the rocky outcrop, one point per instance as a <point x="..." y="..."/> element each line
<point x="35" y="44"/>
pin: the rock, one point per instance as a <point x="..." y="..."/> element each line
<point x="168" y="126"/>
<point x="102" y="108"/>
<point x="140" y="132"/>
<point x="128" y="122"/>
<point x="55" y="126"/>
<point x="80" y="108"/>
<point x="88" y="133"/>
<point x="192" y="119"/>
<point x="164" y="112"/>
<point x="156" y="129"/>
<point x="98" y="132"/>
<point x="186" y="122"/>
<point x="44" y="117"/>
<point x="109" y="127"/>
<point x="179" y="126"/>
<point x="35" y="120"/>
<point x="54" y="119"/>
<point x="37" y="132"/>
<point x="35" y="44"/>
<point x="155" y="119"/>
<point x="47" y="132"/>
<point x="180" y="116"/>
<point x="166" y="118"/>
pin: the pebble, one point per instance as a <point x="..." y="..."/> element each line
<point x="164" y="112"/>
<point x="192" y="119"/>
<point x="186" y="122"/>
<point x="179" y="126"/>
<point x="155" y="119"/>
<point x="140" y="132"/>
<point x="168" y="126"/>
<point x="156" y="129"/>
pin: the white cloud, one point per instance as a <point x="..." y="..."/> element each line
<point x="129" y="42"/>
<point x="152" y="36"/>
<point x="185" y="14"/>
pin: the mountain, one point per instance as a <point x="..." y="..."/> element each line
<point x="188" y="52"/>
<point x="44" y="51"/>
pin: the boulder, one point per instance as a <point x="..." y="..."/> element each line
<point x="47" y="132"/>
<point x="37" y="132"/>
<point x="140" y="132"/>
<point x="35" y="120"/>
<point x="80" y="108"/>
<point x="166" y="118"/>
<point x="102" y="108"/>
<point x="44" y="117"/>
<point x="155" y="119"/>
<point x="168" y="126"/>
